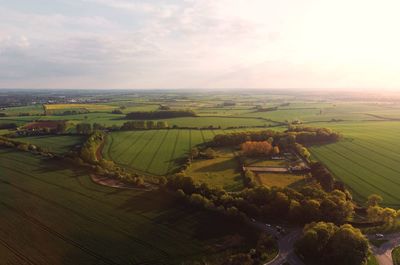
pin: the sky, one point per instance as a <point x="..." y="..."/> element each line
<point x="317" y="44"/>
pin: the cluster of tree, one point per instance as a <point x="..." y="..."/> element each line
<point x="326" y="243"/>
<point x="264" y="250"/>
<point x="308" y="204"/>
<point x="8" y="126"/>
<point x="164" y="107"/>
<point x="322" y="175"/>
<point x="83" y="128"/>
<point x="309" y="135"/>
<point x="2" y="114"/>
<point x="376" y="213"/>
<point x="261" y="109"/>
<point x="141" y="125"/>
<point x="116" y="111"/>
<point x="284" y="140"/>
<point x="238" y="138"/>
<point x="26" y="147"/>
<point x="263" y="148"/>
<point x="164" y="114"/>
<point x="68" y="112"/>
<point x="249" y="179"/>
<point x="89" y="154"/>
<point x="302" y="151"/>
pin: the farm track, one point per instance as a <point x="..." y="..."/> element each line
<point x="173" y="152"/>
<point x="374" y="150"/>
<point x="123" y="140"/>
<point x="319" y="155"/>
<point x="171" y="229"/>
<point x="362" y="166"/>
<point x="141" y="150"/>
<point x="157" y="150"/>
<point x="18" y="254"/>
<point x="372" y="160"/>
<point x="130" y="146"/>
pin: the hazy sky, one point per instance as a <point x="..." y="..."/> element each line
<point x="200" y="43"/>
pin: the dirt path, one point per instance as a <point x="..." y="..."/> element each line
<point x="115" y="183"/>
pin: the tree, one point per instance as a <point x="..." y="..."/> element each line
<point x="254" y="148"/>
<point x="210" y="153"/>
<point x="276" y="150"/>
<point x="374" y="200"/>
<point x="162" y="124"/>
<point x="326" y="243"/>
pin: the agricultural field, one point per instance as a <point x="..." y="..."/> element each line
<point x="54" y="143"/>
<point x="62" y="212"/>
<point x="36" y="109"/>
<point x="156" y="152"/>
<point x="88" y="107"/>
<point x="367" y="159"/>
<point x="222" y="171"/>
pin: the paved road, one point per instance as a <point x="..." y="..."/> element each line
<point x="383" y="254"/>
<point x="285" y="244"/>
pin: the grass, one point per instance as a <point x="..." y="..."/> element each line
<point x="220" y="172"/>
<point x="372" y="260"/>
<point x="58" y="144"/>
<point x="367" y="160"/>
<point x="265" y="162"/>
<point x="396" y="256"/>
<point x="156" y="152"/>
<point x="46" y="205"/>
<point x="278" y="180"/>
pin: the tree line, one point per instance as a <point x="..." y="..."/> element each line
<point x="164" y="114"/>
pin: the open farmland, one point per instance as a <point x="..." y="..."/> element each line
<point x="57" y="144"/>
<point x="155" y="151"/>
<point x="367" y="159"/>
<point x="62" y="212"/>
<point x="88" y="107"/>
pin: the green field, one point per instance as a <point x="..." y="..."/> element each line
<point x="396" y="256"/>
<point x="367" y="159"/>
<point x="222" y="171"/>
<point x="156" y="151"/>
<point x="54" y="215"/>
<point x="54" y="143"/>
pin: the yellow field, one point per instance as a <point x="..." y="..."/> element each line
<point x="278" y="180"/>
<point x="89" y="107"/>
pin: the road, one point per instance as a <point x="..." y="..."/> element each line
<point x="383" y="254"/>
<point x="285" y="244"/>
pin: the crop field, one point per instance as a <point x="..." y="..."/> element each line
<point x="36" y="109"/>
<point x="54" y="215"/>
<point x="57" y="144"/>
<point x="367" y="159"/>
<point x="88" y="107"/>
<point x="153" y="151"/>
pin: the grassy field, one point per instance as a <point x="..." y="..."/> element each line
<point x="57" y="144"/>
<point x="396" y="256"/>
<point x="367" y="159"/>
<point x="278" y="180"/>
<point x="54" y="215"/>
<point x="155" y="152"/>
<point x="221" y="171"/>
